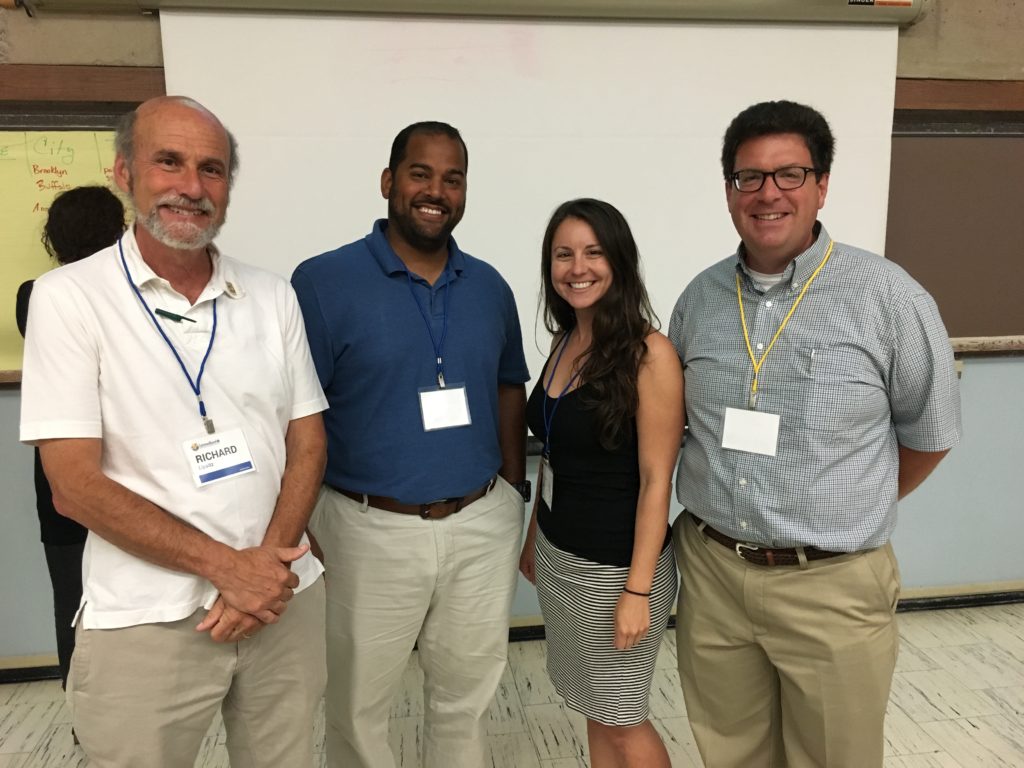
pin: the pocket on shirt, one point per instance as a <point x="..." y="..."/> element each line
<point x="838" y="388"/>
<point x="837" y="363"/>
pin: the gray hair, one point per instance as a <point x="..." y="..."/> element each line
<point x="124" y="136"/>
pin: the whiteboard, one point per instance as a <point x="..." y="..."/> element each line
<point x="629" y="112"/>
<point x="35" y="167"/>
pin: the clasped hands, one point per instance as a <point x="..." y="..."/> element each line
<point x="255" y="585"/>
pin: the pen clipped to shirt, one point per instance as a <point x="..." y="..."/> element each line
<point x="172" y="316"/>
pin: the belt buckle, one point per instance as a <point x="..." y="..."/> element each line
<point x="743" y="545"/>
<point x="425" y="508"/>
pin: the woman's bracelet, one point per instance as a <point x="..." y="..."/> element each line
<point x="638" y="594"/>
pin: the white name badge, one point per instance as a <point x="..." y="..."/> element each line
<point x="444" y="408"/>
<point x="547" y="481"/>
<point x="218" y="456"/>
<point x="751" y="431"/>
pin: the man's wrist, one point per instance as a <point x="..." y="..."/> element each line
<point x="524" y="488"/>
<point x="217" y="559"/>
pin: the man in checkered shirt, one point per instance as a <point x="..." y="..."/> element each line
<point x="819" y="390"/>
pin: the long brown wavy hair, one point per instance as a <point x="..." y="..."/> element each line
<point x="622" y="319"/>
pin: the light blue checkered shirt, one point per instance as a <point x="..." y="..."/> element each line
<point x="864" y="365"/>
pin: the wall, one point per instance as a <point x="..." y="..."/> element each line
<point x="965" y="40"/>
<point x="958" y="39"/>
<point x="132" y="41"/>
<point x="964" y="526"/>
<point x="26" y="607"/>
<point x="960" y="530"/>
<point x="959" y="533"/>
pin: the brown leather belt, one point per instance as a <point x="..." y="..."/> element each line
<point x="432" y="510"/>
<point x="760" y="555"/>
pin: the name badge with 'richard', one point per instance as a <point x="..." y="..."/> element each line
<point x="218" y="456"/>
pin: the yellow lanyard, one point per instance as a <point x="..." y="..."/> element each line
<point x="746" y="335"/>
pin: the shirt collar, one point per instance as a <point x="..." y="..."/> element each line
<point x="799" y="270"/>
<point x="389" y="261"/>
<point x="224" y="279"/>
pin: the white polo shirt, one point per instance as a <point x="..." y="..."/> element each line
<point x="95" y="366"/>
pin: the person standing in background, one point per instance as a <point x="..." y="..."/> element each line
<point x="80" y="222"/>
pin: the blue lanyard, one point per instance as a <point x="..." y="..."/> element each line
<point x="549" y="420"/>
<point x="207" y="422"/>
<point x="438" y="345"/>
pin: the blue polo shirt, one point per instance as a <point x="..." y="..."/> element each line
<point x="374" y="355"/>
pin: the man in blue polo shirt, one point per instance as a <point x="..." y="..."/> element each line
<point x="419" y="350"/>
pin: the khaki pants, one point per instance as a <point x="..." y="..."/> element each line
<point x="146" y="695"/>
<point x="395" y="579"/>
<point x="785" y="666"/>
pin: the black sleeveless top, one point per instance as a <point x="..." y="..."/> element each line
<point x="596" y="490"/>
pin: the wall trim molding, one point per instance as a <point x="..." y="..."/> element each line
<point x="970" y="95"/>
<point x="81" y="83"/>
<point x="78" y="83"/>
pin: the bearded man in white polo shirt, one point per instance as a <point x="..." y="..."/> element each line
<point x="177" y="411"/>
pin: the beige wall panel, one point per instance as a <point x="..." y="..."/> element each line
<point x="81" y="39"/>
<point x="955" y="39"/>
<point x="965" y="40"/>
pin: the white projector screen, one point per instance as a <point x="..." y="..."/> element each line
<point x="629" y="112"/>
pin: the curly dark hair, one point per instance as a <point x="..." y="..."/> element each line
<point x="773" y="117"/>
<point x="82" y="221"/>
<point x="622" y="320"/>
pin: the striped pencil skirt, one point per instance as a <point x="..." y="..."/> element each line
<point x="578" y="599"/>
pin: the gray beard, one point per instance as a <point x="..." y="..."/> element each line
<point x="199" y="238"/>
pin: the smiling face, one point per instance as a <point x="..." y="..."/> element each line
<point x="775" y="225"/>
<point x="580" y="271"/>
<point x="426" y="194"/>
<point x="178" y="176"/>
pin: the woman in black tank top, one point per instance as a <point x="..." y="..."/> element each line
<point x="609" y="408"/>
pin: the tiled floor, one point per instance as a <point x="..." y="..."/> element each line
<point x="957" y="702"/>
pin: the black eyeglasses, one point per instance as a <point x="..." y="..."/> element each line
<point x="790" y="177"/>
